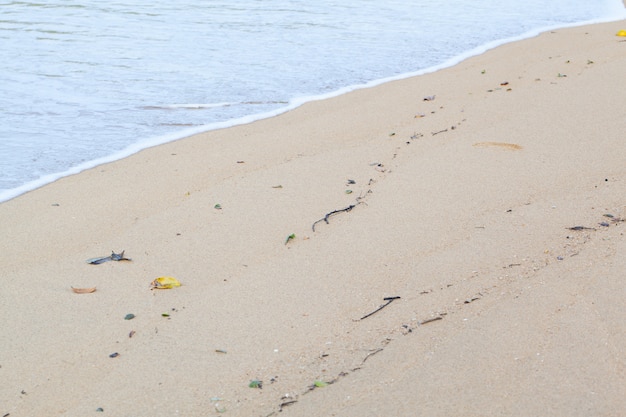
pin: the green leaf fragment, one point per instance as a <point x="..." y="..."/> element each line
<point x="255" y="383"/>
<point x="165" y="314"/>
<point x="320" y="384"/>
<point x="290" y="237"/>
<point x="217" y="207"/>
<point x="129" y="316"/>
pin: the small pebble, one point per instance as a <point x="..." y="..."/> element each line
<point x="114" y="355"/>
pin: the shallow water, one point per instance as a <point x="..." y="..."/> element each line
<point x="86" y="82"/>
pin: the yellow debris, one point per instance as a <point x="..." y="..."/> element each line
<point x="165" y="283"/>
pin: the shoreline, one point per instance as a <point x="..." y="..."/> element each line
<point x="294" y="103"/>
<point x="468" y="187"/>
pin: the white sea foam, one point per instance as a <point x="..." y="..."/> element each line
<point x="188" y="106"/>
<point x="127" y="88"/>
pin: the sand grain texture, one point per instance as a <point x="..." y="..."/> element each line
<point x="477" y="235"/>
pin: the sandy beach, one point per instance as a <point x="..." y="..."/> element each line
<point x="448" y="244"/>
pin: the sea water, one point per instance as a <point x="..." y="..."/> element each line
<point x="83" y="82"/>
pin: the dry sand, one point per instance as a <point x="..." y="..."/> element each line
<point x="464" y="213"/>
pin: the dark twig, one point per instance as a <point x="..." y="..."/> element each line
<point x="431" y="320"/>
<point x="389" y="301"/>
<point x="325" y="219"/>
<point x="441" y="131"/>
<point x="285" y="404"/>
<point x="371" y="354"/>
<point x="577" y="228"/>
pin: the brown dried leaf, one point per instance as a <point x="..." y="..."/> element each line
<point x="83" y="290"/>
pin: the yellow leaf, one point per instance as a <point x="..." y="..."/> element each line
<point x="83" y="290"/>
<point x="165" y="283"/>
